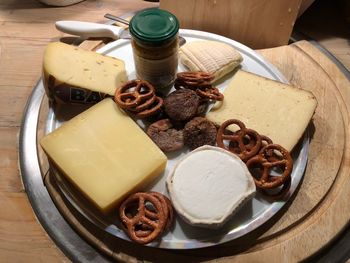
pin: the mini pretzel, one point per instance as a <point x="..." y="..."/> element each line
<point x="143" y="106"/>
<point x="194" y="79"/>
<point x="271" y="154"/>
<point x="146" y="225"/>
<point x="133" y="93"/>
<point x="158" y="103"/>
<point x="167" y="207"/>
<point x="211" y="93"/>
<point x="243" y="142"/>
<point x="145" y="229"/>
<point x="261" y="165"/>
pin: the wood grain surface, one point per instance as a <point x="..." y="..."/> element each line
<point x="327" y="124"/>
<point x="317" y="214"/>
<point x="255" y="23"/>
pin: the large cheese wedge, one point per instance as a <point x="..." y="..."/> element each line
<point x="74" y="75"/>
<point x="105" y="154"/>
<point x="274" y="109"/>
<point x="209" y="185"/>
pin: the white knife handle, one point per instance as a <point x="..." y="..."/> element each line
<point x="87" y="29"/>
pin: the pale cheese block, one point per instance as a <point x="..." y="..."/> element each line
<point x="74" y="75"/>
<point x="105" y="154"/>
<point x="209" y="185"/>
<point x="210" y="56"/>
<point x="277" y="110"/>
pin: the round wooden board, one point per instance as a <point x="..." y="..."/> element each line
<point x="317" y="213"/>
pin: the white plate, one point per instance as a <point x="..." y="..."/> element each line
<point x="183" y="236"/>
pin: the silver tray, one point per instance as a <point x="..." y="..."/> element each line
<point x="249" y="218"/>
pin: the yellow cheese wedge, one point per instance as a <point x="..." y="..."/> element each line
<point x="274" y="109"/>
<point x="105" y="154"/>
<point x="74" y="75"/>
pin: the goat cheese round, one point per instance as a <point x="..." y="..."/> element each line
<point x="209" y="185"/>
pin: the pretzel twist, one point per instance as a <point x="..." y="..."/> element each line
<point x="211" y="93"/>
<point x="262" y="164"/>
<point x="146" y="225"/>
<point x="152" y="215"/>
<point x="167" y="208"/>
<point x="152" y="109"/>
<point x="243" y="142"/>
<point x="193" y="79"/>
<point x="199" y="81"/>
<point x="146" y="104"/>
<point x="133" y="93"/>
<point x="138" y="97"/>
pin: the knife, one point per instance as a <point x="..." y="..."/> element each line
<point x="88" y="29"/>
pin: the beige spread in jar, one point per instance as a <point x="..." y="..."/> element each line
<point x="155" y="46"/>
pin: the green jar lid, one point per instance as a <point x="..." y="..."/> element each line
<point x="154" y="26"/>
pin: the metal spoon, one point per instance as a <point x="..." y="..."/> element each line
<point x="116" y="18"/>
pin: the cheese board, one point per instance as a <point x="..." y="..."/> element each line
<point x="316" y="212"/>
<point x="250" y="217"/>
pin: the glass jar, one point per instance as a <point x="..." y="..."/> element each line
<point x="155" y="46"/>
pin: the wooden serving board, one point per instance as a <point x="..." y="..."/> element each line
<point x="320" y="209"/>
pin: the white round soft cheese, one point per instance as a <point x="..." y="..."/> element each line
<point x="208" y="185"/>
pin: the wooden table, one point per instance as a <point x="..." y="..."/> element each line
<point x="25" y="29"/>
